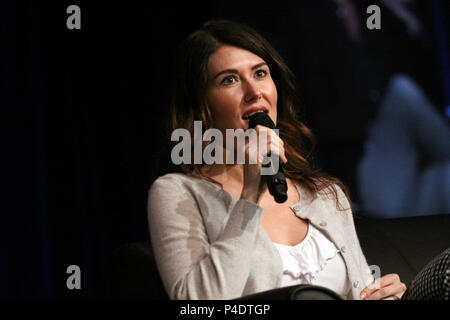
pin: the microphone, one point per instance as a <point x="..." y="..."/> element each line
<point x="276" y="183"/>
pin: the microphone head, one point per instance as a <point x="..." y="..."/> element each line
<point x="261" y="118"/>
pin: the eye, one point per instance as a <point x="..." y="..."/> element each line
<point x="261" y="73"/>
<point x="228" y="80"/>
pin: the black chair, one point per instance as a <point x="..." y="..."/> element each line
<point x="134" y="274"/>
<point x="403" y="246"/>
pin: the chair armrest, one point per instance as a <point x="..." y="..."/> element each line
<point x="297" y="292"/>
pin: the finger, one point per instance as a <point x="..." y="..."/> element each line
<point x="269" y="143"/>
<point x="251" y="154"/>
<point x="370" y="289"/>
<point x="390" y="279"/>
<point x="402" y="290"/>
<point x="277" y="146"/>
<point x="379" y="283"/>
<point x="276" y="150"/>
<point x="393" y="289"/>
<point x="382" y="293"/>
<point x="276" y="154"/>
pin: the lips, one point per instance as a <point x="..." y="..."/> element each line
<point x="253" y="110"/>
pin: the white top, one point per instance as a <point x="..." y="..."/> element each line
<point x="315" y="261"/>
<point x="209" y="245"/>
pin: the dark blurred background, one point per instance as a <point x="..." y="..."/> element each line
<point x="81" y="113"/>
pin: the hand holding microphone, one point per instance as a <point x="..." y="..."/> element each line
<point x="254" y="182"/>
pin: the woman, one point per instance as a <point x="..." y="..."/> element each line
<point x="216" y="231"/>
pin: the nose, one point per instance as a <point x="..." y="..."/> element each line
<point x="252" y="92"/>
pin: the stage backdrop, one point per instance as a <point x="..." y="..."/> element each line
<point x="82" y="108"/>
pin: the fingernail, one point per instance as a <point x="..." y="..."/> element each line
<point x="363" y="296"/>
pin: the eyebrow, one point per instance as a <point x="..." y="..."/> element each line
<point x="236" y="71"/>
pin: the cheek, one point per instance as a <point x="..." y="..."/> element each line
<point x="223" y="103"/>
<point x="273" y="96"/>
<point x="274" y="93"/>
<point x="273" y="100"/>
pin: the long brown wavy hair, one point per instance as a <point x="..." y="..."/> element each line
<point x="188" y="101"/>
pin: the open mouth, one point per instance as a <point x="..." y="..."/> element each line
<point x="248" y="115"/>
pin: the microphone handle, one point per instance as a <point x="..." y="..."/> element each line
<point x="276" y="183"/>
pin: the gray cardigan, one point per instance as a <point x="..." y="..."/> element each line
<point x="208" y="245"/>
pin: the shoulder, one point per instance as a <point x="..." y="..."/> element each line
<point x="179" y="184"/>
<point x="335" y="197"/>
<point x="170" y="179"/>
<point x="171" y="183"/>
<point x="336" y="210"/>
<point x="171" y="195"/>
<point x="331" y="204"/>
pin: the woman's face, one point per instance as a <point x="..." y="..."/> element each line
<point x="239" y="83"/>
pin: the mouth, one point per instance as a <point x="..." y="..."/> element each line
<point x="252" y="111"/>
